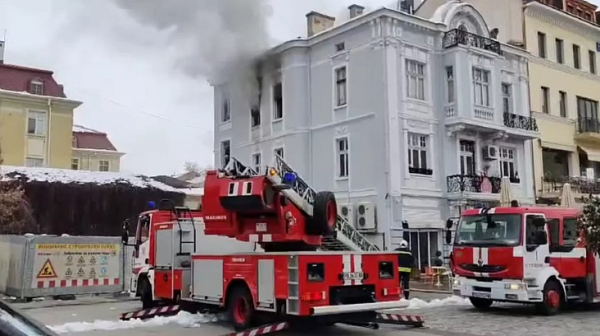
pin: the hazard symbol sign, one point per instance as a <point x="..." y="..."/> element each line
<point x="47" y="270"/>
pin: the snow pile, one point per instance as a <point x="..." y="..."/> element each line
<point x="184" y="319"/>
<point x="449" y="301"/>
<point x="52" y="175"/>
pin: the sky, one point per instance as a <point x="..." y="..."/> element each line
<point x="141" y="67"/>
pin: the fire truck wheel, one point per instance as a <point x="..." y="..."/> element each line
<point x="324" y="214"/>
<point x="146" y="294"/>
<point x="240" y="308"/>
<point x="553" y="298"/>
<point x="481" y="303"/>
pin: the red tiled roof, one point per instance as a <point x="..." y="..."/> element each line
<point x="18" y="78"/>
<point x="92" y="140"/>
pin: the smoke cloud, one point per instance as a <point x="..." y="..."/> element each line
<point x="212" y="39"/>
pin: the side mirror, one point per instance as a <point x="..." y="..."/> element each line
<point x="539" y="221"/>
<point x="541" y="238"/>
<point x="448" y="237"/>
<point x="449" y="223"/>
<point x="125" y="232"/>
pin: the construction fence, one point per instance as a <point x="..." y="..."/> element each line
<point x="36" y="266"/>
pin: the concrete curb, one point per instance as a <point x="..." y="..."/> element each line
<point x="430" y="291"/>
<point x="84" y="302"/>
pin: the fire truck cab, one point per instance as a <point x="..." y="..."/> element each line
<point x="256" y="249"/>
<point x="523" y="254"/>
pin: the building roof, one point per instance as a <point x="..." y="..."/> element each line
<point x="18" y="79"/>
<point x="87" y="138"/>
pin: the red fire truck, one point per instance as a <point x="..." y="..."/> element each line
<point x="523" y="254"/>
<point x="254" y="251"/>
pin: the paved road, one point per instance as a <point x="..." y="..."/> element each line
<point x="451" y="320"/>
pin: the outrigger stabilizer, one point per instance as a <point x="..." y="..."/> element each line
<point x="380" y="318"/>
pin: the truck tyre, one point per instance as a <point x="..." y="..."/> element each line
<point x="240" y="307"/>
<point x="146" y="294"/>
<point x="553" y="298"/>
<point x="481" y="303"/>
<point x="324" y="215"/>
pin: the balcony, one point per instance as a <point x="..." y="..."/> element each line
<point x="580" y="186"/>
<point x="453" y="38"/>
<point x="519" y="122"/>
<point x="588" y="129"/>
<point x="473" y="184"/>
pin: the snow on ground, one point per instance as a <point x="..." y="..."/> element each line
<point x="52" y="175"/>
<point x="183" y="319"/>
<point x="449" y="301"/>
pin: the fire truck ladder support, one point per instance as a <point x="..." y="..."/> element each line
<point x="264" y="330"/>
<point x="346" y="237"/>
<point x="405" y="320"/>
<point x="152" y="312"/>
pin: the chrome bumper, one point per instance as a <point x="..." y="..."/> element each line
<point x="356" y="308"/>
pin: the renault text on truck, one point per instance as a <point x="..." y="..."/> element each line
<point x="523" y="254"/>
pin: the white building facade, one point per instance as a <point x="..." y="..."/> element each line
<point x="404" y="118"/>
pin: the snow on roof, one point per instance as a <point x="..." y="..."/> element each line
<point x="79" y="128"/>
<point x="193" y="191"/>
<point x="52" y="175"/>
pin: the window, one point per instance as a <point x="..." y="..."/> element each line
<point x="225" y="108"/>
<point x="560" y="51"/>
<point x="225" y="153"/>
<point x="343" y="161"/>
<point x="587" y="112"/>
<point x="506" y="98"/>
<point x="415" y="78"/>
<point x="450" y="84"/>
<point x="508" y="167"/>
<point x="340" y="46"/>
<point x="563" y="103"/>
<point x="278" y="101"/>
<point x="36" y="123"/>
<point x="278" y="152"/>
<point x="33" y="162"/>
<point x="75" y="164"/>
<point x="570" y="232"/>
<point x="37" y="87"/>
<point x="481" y="87"/>
<point x="256" y="162"/>
<point x="592" y="56"/>
<point x="103" y="166"/>
<point x="340" y="86"/>
<point x="545" y="99"/>
<point x="417" y="155"/>
<point x="467" y="157"/>
<point x="255" y="110"/>
<point x="576" y="56"/>
<point x="541" y="45"/>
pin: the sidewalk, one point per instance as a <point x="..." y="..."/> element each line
<point x="429" y="286"/>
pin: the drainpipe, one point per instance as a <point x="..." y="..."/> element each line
<point x="310" y="125"/>
<point x="48" y="137"/>
<point x="389" y="200"/>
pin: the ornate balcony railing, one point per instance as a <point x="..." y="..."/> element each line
<point x="455" y="37"/>
<point x="579" y="185"/>
<point x="473" y="184"/>
<point x="588" y="125"/>
<point x="520" y="122"/>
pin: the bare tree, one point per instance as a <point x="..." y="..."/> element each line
<point x="190" y="167"/>
<point x="16" y="215"/>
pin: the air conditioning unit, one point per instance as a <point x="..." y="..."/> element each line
<point x="490" y="152"/>
<point x="347" y="212"/>
<point x="365" y="217"/>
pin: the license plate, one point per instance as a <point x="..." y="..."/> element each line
<point x="482" y="295"/>
<point x="353" y="275"/>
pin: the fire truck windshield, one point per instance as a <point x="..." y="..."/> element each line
<point x="489" y="230"/>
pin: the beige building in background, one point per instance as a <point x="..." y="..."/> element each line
<point x="562" y="38"/>
<point x="93" y="151"/>
<point x="36" y="118"/>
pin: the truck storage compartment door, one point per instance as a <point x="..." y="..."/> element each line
<point x="266" y="284"/>
<point x="207" y="282"/>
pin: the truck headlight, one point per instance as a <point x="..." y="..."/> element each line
<point x="456" y="282"/>
<point x="514" y="286"/>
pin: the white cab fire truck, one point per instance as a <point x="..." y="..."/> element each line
<point x="255" y="251"/>
<point x="523" y="254"/>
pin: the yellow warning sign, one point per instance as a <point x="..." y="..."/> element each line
<point x="47" y="270"/>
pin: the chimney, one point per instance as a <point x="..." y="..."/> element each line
<point x="1" y="52"/>
<point x="356" y="10"/>
<point x="317" y="22"/>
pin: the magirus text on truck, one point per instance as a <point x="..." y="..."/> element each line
<point x="257" y="251"/>
<point x="524" y="254"/>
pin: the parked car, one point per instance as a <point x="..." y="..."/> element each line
<point x="15" y="323"/>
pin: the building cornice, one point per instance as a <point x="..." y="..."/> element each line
<point x="98" y="152"/>
<point x="553" y="118"/>
<point x="562" y="20"/>
<point x="25" y="96"/>
<point x="564" y="68"/>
